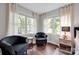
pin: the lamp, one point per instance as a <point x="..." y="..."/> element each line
<point x="65" y="29"/>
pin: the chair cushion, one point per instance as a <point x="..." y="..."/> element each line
<point x="41" y="38"/>
<point x="20" y="48"/>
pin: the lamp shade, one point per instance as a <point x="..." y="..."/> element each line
<point x="67" y="29"/>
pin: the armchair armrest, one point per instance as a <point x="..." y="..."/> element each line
<point x="8" y="47"/>
<point x="4" y="43"/>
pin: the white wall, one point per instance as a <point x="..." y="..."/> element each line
<point x="40" y="24"/>
<point x="52" y="38"/>
<point x="76" y="14"/>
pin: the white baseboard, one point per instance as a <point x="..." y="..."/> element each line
<point x="53" y="43"/>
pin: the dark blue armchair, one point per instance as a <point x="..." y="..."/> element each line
<point x="41" y="39"/>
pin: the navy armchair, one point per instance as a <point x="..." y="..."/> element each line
<point x="13" y="45"/>
<point x="41" y="39"/>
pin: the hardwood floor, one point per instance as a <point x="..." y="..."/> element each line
<point x="49" y="49"/>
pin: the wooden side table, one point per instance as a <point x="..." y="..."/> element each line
<point x="65" y="46"/>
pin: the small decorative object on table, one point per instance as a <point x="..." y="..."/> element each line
<point x="65" y="29"/>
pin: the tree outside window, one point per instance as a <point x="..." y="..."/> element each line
<point x="55" y="25"/>
<point x="21" y="24"/>
<point x="24" y="25"/>
<point x="52" y="25"/>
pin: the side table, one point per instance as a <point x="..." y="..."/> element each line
<point x="30" y="42"/>
<point x="65" y="46"/>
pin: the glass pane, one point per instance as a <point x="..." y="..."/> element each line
<point x="57" y="25"/>
<point x="30" y="25"/>
<point x="21" y="24"/>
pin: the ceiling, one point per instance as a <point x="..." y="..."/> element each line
<point x="42" y="7"/>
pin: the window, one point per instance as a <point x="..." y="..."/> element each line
<point x="31" y="25"/>
<point x="24" y="25"/>
<point x="52" y="25"/>
<point x="20" y="24"/>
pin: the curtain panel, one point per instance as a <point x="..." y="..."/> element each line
<point x="65" y="14"/>
<point x="12" y="14"/>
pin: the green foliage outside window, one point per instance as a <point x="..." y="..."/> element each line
<point x="24" y="24"/>
<point x="21" y="23"/>
<point x="55" y="25"/>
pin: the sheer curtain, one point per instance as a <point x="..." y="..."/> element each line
<point x="67" y="19"/>
<point x="12" y="10"/>
<point x="65" y="14"/>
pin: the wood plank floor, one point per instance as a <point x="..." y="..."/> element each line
<point x="49" y="49"/>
